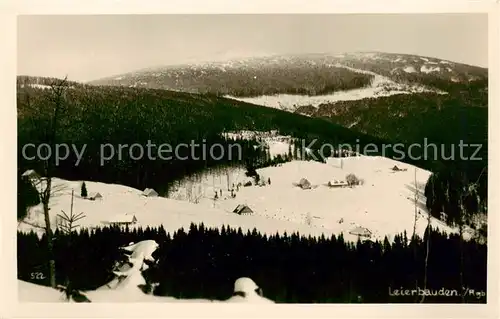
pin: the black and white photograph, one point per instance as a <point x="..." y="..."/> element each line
<point x="252" y="158"/>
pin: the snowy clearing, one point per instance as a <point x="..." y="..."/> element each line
<point x="410" y="69"/>
<point x="380" y="86"/>
<point x="384" y="204"/>
<point x="429" y="69"/>
<point x="277" y="144"/>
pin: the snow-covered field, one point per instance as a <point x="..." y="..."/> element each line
<point x="410" y="69"/>
<point x="279" y="207"/>
<point x="380" y="86"/>
<point x="384" y="203"/>
<point x="277" y="144"/>
<point x="149" y="211"/>
<point x="429" y="69"/>
<point x="29" y="292"/>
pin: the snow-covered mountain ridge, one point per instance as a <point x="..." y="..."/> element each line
<point x="291" y="81"/>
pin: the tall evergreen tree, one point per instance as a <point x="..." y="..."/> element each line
<point x="83" y="191"/>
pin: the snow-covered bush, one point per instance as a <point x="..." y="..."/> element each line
<point x="352" y="179"/>
<point x="308" y="219"/>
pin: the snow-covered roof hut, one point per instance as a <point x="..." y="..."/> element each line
<point x="30" y="173"/>
<point x="94" y="196"/>
<point x="337" y="183"/>
<point x="243" y="210"/>
<point x="122" y="219"/>
<point x="361" y="232"/>
<point x="149" y="192"/>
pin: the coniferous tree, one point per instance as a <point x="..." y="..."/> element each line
<point x="290" y="267"/>
<point x="83" y="191"/>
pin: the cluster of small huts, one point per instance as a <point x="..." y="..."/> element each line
<point x="305" y="184"/>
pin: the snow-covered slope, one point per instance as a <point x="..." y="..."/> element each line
<point x="384" y="204"/>
<point x="380" y="86"/>
<point x="150" y="211"/>
<point x="291" y="81"/>
<point x="29" y="292"/>
<point x="276" y="144"/>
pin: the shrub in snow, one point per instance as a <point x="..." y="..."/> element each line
<point x="246" y="290"/>
<point x="352" y="179"/>
<point x="309" y="219"/>
<point x="257" y="179"/>
<point x="72" y="294"/>
<point x="129" y="282"/>
<point x="251" y="172"/>
<point x="481" y="235"/>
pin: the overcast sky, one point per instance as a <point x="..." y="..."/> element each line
<point x="90" y="47"/>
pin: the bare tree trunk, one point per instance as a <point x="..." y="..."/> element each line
<point x="414" y="235"/>
<point x="44" y="185"/>
<point x="427" y="251"/>
<point x="428" y="246"/>
<point x="461" y="230"/>
<point x="46" y="193"/>
<point x="58" y="90"/>
<point x="70" y="232"/>
<point x="415" y="198"/>
<point x="50" y="244"/>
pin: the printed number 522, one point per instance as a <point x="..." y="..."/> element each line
<point x="37" y="276"/>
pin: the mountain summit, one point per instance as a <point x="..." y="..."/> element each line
<point x="306" y="74"/>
